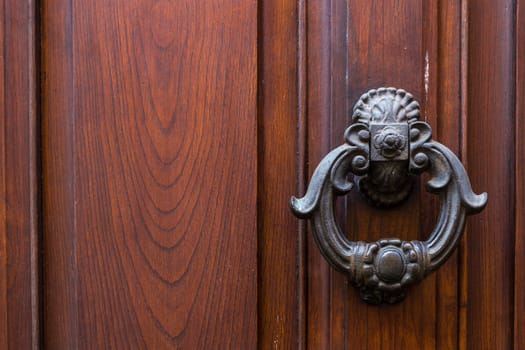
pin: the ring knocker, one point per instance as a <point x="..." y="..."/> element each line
<point x="385" y="146"/>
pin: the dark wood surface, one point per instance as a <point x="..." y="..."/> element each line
<point x="150" y="149"/>
<point x="323" y="304"/>
<point x="519" y="114"/>
<point x="19" y="215"/>
<point x="150" y="152"/>
<point x="405" y="53"/>
<point x="490" y="158"/>
<point x="280" y="166"/>
<point x="392" y="33"/>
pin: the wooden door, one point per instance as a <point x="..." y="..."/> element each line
<point x="150" y="149"/>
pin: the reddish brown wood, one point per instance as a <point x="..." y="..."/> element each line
<point x="326" y="71"/>
<point x="462" y="249"/>
<point x="19" y="298"/>
<point x="150" y="174"/>
<point x="405" y="44"/>
<point x="444" y="111"/>
<point x="519" y="279"/>
<point x="280" y="170"/>
<point x="61" y="320"/>
<point x="318" y="137"/>
<point x="387" y="48"/>
<point x="490" y="152"/>
<point x="338" y="121"/>
<point x="166" y="180"/>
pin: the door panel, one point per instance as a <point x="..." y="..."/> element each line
<point x="150" y="149"/>
<point x="149" y="174"/>
<point x="281" y="127"/>
<point x="490" y="150"/>
<point x="382" y="43"/>
<point x="19" y="202"/>
<point x="519" y="279"/>
<point x="440" y="51"/>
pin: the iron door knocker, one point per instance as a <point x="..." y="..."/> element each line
<point x="386" y="145"/>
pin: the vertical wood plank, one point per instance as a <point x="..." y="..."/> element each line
<point x="159" y="157"/>
<point x="463" y="248"/>
<point x="338" y="121"/>
<point x="4" y="323"/>
<point x="60" y="294"/>
<point x="490" y="152"/>
<point x="279" y="176"/>
<point x="412" y="45"/>
<point x="394" y="44"/>
<point x="326" y="122"/>
<point x="519" y="279"/>
<point x="444" y="112"/>
<point x="19" y="290"/>
<point x="319" y="52"/>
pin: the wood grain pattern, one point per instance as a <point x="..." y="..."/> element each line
<point x="61" y="321"/>
<point x="280" y="159"/>
<point x="19" y="290"/>
<point x="490" y="153"/>
<point x="150" y="142"/>
<point x="174" y="133"/>
<point x="444" y="110"/>
<point x="318" y="76"/>
<point x="519" y="262"/>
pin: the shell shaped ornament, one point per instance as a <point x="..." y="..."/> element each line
<point x="386" y="146"/>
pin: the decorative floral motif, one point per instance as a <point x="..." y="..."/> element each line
<point x="388" y="267"/>
<point x="389" y="142"/>
<point x="387" y="113"/>
<point x="386" y="105"/>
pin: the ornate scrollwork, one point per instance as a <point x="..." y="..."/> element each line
<point x="386" y="120"/>
<point x="387" y="112"/>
